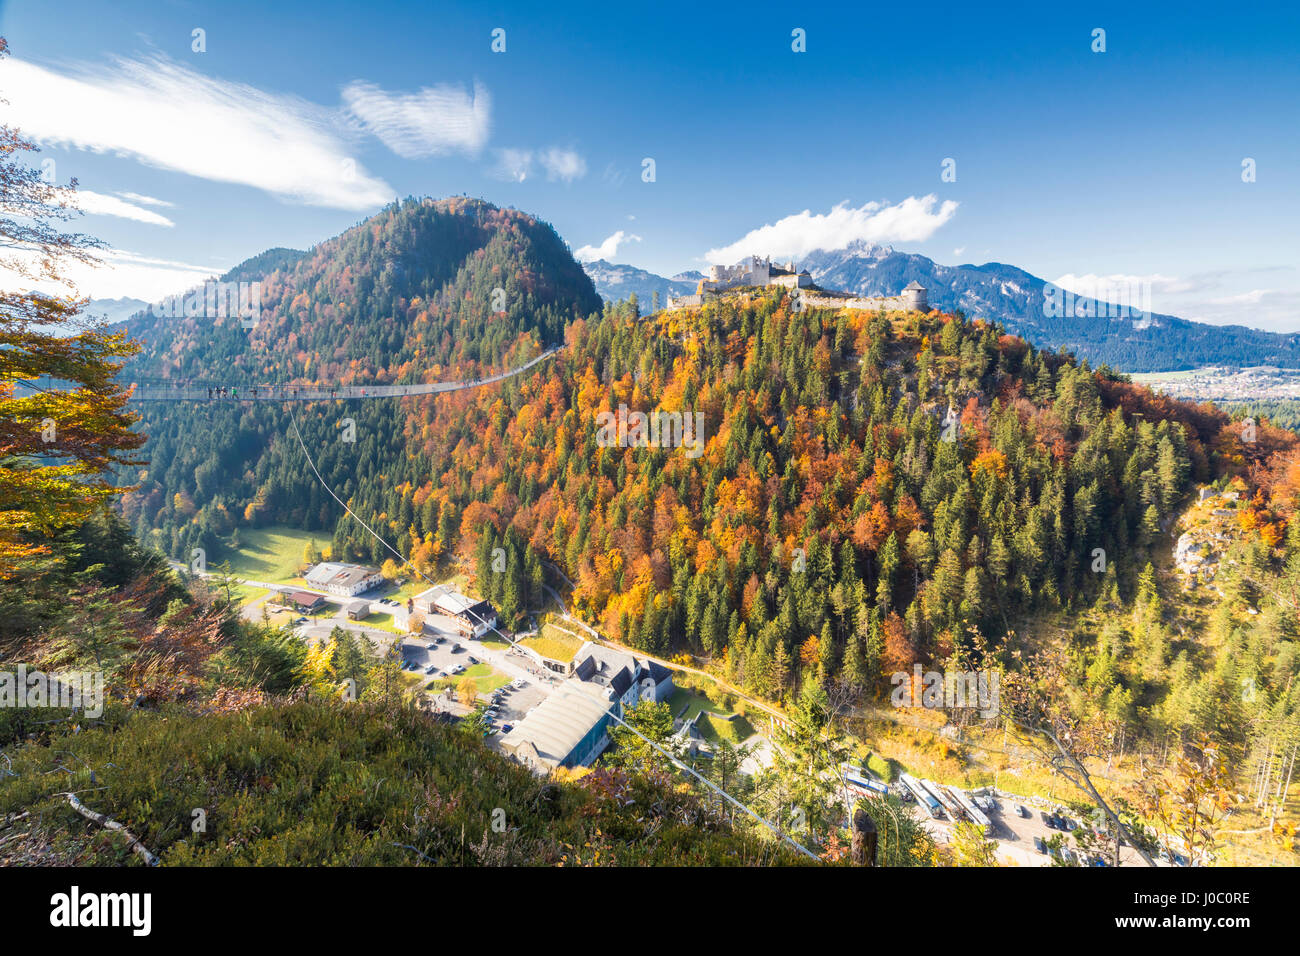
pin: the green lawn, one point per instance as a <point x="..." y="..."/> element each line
<point x="245" y="594"/>
<point x="714" y="728"/>
<point x="487" y="679"/>
<point x="693" y="702"/>
<point x="383" y="621"/>
<point x="272" y="554"/>
<point x="416" y="584"/>
<point x="554" y="643"/>
<point x="883" y="767"/>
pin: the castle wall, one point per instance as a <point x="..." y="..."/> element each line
<point x="890" y="303"/>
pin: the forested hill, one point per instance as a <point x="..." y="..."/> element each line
<point x="824" y="441"/>
<point x="406" y="296"/>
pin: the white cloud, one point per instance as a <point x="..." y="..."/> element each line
<point x="1253" y="297"/>
<point x="1274" y="310"/>
<point x="563" y="164"/>
<point x="516" y="165"/>
<point x="1099" y="286"/>
<point x="1216" y="297"/>
<point x="146" y="200"/>
<point x="607" y="249"/>
<point x="960" y="250"/>
<point x="120" y="273"/>
<point x="912" y="220"/>
<point x="169" y="116"/>
<point x="97" y="204"/>
<point x="513" y="164"/>
<point x="435" y="121"/>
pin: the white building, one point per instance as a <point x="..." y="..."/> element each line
<point x="626" y="679"/>
<point x="472" y="618"/>
<point x="343" y="580"/>
<point x="569" y="728"/>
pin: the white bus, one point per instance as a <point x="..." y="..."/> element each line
<point x="924" y="797"/>
<point x="856" y="779"/>
<point x="976" y="815"/>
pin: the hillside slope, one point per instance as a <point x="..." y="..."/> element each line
<point x="401" y="297"/>
<point x="867" y="493"/>
<point x="329" y="784"/>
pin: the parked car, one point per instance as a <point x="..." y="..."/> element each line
<point x="506" y="728"/>
<point x="1021" y="811"/>
<point x="1039" y="845"/>
<point x="1049" y="819"/>
<point x="458" y="669"/>
<point x="431" y="668"/>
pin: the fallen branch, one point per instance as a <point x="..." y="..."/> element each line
<point x="109" y="823"/>
<point x="407" y="846"/>
<point x="12" y="818"/>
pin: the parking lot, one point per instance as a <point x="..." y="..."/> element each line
<point x="1016" y="834"/>
<point x="447" y="656"/>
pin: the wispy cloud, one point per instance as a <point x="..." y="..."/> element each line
<point x="563" y="164"/>
<point x="1216" y="297"/>
<point x="1100" y="286"/>
<point x="607" y="249"/>
<point x="433" y="122"/>
<point x="97" y="204"/>
<point x="517" y="165"/>
<point x="169" y="116"/>
<point x="146" y="200"/>
<point x="121" y="273"/>
<point x="913" y="220"/>
<point x="514" y="165"/>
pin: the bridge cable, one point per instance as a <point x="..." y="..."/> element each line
<point x="672" y="758"/>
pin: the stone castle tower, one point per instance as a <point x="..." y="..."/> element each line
<point x="914" y="297"/>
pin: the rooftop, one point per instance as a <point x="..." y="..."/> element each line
<point x="561" y="721"/>
<point x="453" y="602"/>
<point x="331" y="572"/>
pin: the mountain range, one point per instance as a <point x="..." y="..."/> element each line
<point x="616" y="282"/>
<point x="1015" y="298"/>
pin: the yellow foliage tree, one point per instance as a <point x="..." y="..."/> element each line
<point x="58" y="443"/>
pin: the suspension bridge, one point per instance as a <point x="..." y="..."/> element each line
<point x="191" y="391"/>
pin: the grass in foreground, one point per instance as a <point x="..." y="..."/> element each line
<point x="326" y="783"/>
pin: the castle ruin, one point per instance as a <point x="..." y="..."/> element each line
<point x="758" y="272"/>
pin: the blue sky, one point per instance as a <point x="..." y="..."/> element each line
<point x="298" y="121"/>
